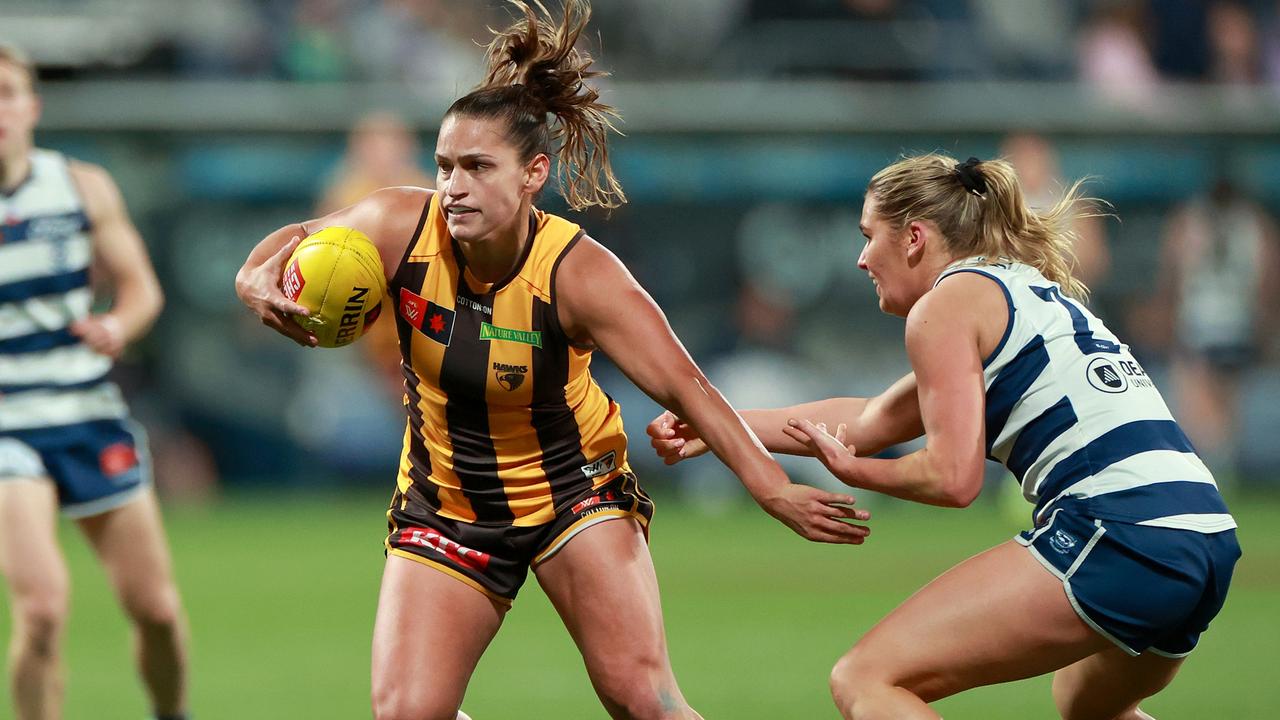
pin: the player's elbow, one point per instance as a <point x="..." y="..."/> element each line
<point x="961" y="487"/>
<point x="150" y="299"/>
<point x="962" y="494"/>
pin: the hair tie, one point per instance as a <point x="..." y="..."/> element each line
<point x="972" y="178"/>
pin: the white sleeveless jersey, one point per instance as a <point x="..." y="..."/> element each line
<point x="1076" y="419"/>
<point x="48" y="377"/>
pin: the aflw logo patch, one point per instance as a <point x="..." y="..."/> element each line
<point x="434" y="321"/>
<point x="509" y="377"/>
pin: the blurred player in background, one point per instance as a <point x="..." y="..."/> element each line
<point x="514" y="457"/>
<point x="1128" y="521"/>
<point x="1216" y="310"/>
<point x="66" y="440"/>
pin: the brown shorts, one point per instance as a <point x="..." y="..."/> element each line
<point x="495" y="559"/>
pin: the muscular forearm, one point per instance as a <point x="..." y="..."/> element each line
<point x="725" y="433"/>
<point x="921" y="477"/>
<point x="768" y="424"/>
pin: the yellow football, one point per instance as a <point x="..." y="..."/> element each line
<point x="336" y="274"/>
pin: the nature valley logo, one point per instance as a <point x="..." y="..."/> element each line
<point x="493" y="332"/>
<point x="510" y="377"/>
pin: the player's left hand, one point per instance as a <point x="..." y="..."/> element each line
<point x="838" y="456"/>
<point x="102" y="333"/>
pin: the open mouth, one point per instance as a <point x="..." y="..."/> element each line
<point x="460" y="211"/>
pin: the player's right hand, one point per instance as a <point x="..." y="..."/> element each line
<point x="674" y="439"/>
<point x="817" y="515"/>
<point x="259" y="289"/>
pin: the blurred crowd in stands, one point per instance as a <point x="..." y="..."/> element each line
<point x="1112" y="43"/>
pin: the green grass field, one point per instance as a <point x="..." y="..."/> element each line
<point x="281" y="594"/>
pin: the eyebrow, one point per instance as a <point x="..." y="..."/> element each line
<point x="464" y="158"/>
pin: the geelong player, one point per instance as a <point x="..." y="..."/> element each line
<point x="1132" y="549"/>
<point x="514" y="458"/>
<point x="66" y="440"/>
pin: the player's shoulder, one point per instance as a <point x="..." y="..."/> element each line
<point x="87" y="172"/>
<point x="399" y="199"/>
<point x="587" y="260"/>
<point x="96" y="186"/>
<point x="964" y="291"/>
<point x="961" y="301"/>
<point x="389" y="216"/>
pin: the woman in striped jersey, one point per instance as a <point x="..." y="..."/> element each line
<point x="1009" y="366"/>
<point x="514" y="457"/>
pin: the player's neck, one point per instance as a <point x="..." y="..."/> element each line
<point x="493" y="258"/>
<point x="14" y="169"/>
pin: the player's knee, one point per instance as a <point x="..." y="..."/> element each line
<point x="41" y="619"/>
<point x="401" y="701"/>
<point x="850" y="677"/>
<point x="158" y="613"/>
<point x="640" y="688"/>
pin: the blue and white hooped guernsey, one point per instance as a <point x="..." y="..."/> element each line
<point x="1076" y="419"/>
<point x="48" y="378"/>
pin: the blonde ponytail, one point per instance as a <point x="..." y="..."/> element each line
<point x="980" y="209"/>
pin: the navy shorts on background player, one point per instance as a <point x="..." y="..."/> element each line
<point x="96" y="466"/>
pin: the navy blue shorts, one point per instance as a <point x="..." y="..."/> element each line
<point x="1141" y="587"/>
<point x="96" y="466"/>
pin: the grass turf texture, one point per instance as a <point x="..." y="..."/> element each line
<point x="281" y="594"/>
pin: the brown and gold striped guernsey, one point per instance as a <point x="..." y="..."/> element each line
<point x="505" y="423"/>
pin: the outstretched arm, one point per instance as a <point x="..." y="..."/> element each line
<point x="872" y="424"/>
<point x="949" y="332"/>
<point x="121" y="255"/>
<point x="388" y="217"/>
<point x="600" y="304"/>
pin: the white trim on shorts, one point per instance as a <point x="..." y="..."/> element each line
<point x="106" y="503"/>
<point x="1066" y="578"/>
<point x="576" y="529"/>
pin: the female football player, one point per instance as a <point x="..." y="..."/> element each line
<point x="513" y="456"/>
<point x="1132" y="549"/>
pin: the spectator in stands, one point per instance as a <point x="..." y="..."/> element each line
<point x="1115" y="55"/>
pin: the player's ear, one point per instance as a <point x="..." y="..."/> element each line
<point x="536" y="173"/>
<point x="918" y="236"/>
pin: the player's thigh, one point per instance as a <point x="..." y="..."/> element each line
<point x="996" y="617"/>
<point x="603" y="584"/>
<point x="131" y="544"/>
<point x="30" y="560"/>
<point x="1109" y="683"/>
<point x="430" y="632"/>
